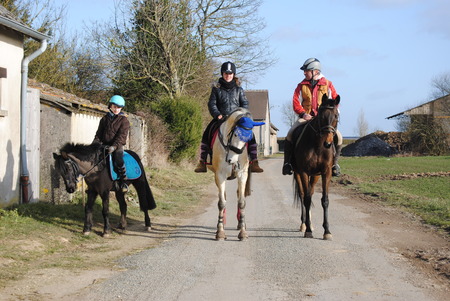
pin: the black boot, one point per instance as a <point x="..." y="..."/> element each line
<point x="336" y="169"/>
<point x="287" y="167"/>
<point x="122" y="178"/>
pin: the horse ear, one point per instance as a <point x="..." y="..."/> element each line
<point x="324" y="99"/>
<point x="55" y="156"/>
<point x="337" y="100"/>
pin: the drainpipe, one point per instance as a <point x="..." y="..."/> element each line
<point x="24" y="176"/>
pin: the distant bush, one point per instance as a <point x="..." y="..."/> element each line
<point x="183" y="118"/>
<point x="427" y="137"/>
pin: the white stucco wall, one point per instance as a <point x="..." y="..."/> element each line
<point x="11" y="57"/>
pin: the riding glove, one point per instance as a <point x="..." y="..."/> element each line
<point x="111" y="149"/>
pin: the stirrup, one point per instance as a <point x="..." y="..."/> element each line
<point x="287" y="169"/>
<point x="124" y="188"/>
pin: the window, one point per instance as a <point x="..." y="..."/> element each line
<point x="3" y="74"/>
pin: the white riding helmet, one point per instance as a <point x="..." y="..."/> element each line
<point x="311" y="64"/>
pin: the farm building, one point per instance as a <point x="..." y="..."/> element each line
<point x="266" y="135"/>
<point x="438" y="109"/>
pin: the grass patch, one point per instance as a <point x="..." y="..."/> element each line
<point x="43" y="235"/>
<point x="418" y="184"/>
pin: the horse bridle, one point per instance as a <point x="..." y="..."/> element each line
<point x="228" y="147"/>
<point x="326" y="128"/>
<point x="76" y="169"/>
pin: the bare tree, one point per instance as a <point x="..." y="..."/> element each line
<point x="441" y="85"/>
<point x="288" y="113"/>
<point x="232" y="29"/>
<point x="362" y="125"/>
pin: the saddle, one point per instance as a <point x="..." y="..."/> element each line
<point x="133" y="169"/>
<point x="212" y="135"/>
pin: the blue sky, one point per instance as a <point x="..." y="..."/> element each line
<point x="381" y="55"/>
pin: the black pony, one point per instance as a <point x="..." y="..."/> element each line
<point x="90" y="162"/>
<point x="313" y="158"/>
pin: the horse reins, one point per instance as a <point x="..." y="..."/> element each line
<point x="322" y="129"/>
<point x="325" y="129"/>
<point x="229" y="147"/>
<point x="76" y="169"/>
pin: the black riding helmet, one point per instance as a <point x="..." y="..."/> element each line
<point x="228" y="67"/>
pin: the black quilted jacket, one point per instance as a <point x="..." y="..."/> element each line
<point x="224" y="101"/>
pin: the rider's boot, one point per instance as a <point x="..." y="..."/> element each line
<point x="336" y="169"/>
<point x="253" y="154"/>
<point x="201" y="166"/>
<point x="254" y="166"/>
<point x="287" y="167"/>
<point x="122" y="178"/>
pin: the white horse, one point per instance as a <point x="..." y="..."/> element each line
<point x="229" y="161"/>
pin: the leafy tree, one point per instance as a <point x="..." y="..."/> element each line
<point x="157" y="51"/>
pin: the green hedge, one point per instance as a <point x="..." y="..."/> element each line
<point x="184" y="120"/>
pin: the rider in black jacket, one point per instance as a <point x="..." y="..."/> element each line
<point x="226" y="96"/>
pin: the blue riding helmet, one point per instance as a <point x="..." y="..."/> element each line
<point x="117" y="100"/>
<point x="244" y="128"/>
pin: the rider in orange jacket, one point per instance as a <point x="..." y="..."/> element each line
<point x="306" y="101"/>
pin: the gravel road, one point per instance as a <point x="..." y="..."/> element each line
<point x="275" y="263"/>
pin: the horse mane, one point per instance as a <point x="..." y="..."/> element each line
<point x="85" y="152"/>
<point x="238" y="114"/>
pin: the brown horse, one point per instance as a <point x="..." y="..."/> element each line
<point x="313" y="158"/>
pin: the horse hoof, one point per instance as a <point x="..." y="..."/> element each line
<point x="120" y="227"/>
<point x="148" y="229"/>
<point x="309" y="235"/>
<point x="86" y="233"/>
<point x="243" y="236"/>
<point x="327" y="237"/>
<point x="303" y="228"/>
<point x="106" y="235"/>
<point x="221" y="236"/>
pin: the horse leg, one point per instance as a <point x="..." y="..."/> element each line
<point x="241" y="207"/>
<point x="105" y="213"/>
<point x="325" y="201"/>
<point x="312" y="183"/>
<point x="307" y="201"/>
<point x="220" y="234"/>
<point x="123" y="210"/>
<point x="88" y="208"/>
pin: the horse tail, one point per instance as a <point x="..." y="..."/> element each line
<point x="149" y="195"/>
<point x="146" y="199"/>
<point x="248" y="184"/>
<point x="298" y="192"/>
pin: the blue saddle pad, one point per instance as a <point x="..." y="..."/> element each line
<point x="132" y="166"/>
